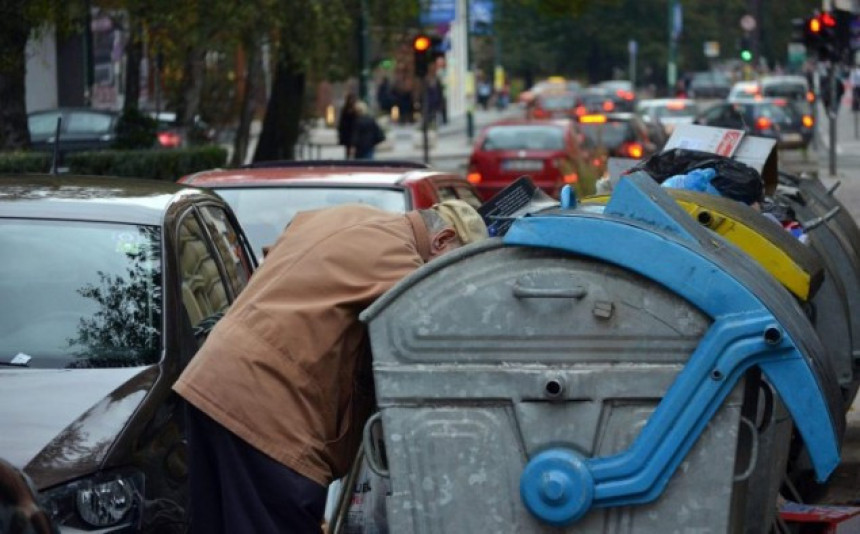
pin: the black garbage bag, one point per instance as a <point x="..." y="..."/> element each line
<point x="734" y="179"/>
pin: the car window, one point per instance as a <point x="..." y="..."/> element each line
<point x="793" y="91"/>
<point x="447" y="193"/>
<point x="229" y="247"/>
<point x="557" y="102"/>
<point x="469" y="196"/>
<point x="80" y="294"/>
<point x="204" y="292"/>
<point x="264" y="212"/>
<point x="714" y="113"/>
<point x="609" y="134"/>
<point x="524" y="138"/>
<point x="43" y="124"/>
<point x="672" y="110"/>
<point x="83" y="122"/>
<point x="774" y="113"/>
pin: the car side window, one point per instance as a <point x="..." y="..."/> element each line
<point x="464" y="193"/>
<point x="714" y="114"/>
<point x="204" y="292"/>
<point x="446" y="193"/>
<point x="230" y="248"/>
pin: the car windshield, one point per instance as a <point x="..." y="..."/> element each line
<point x="264" y="212"/>
<point x="79" y="294"/>
<point x="43" y="124"/>
<point x="83" y="122"/>
<point x="710" y="78"/>
<point x="608" y="134"/>
<point x="777" y="114"/>
<point x="525" y="137"/>
<point x="557" y="102"/>
<point x="676" y="110"/>
<point x="785" y="90"/>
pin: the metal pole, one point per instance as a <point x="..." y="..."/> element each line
<point x="470" y="120"/>
<point x="671" y="69"/>
<point x="831" y="114"/>
<point x="363" y="52"/>
<point x="425" y="104"/>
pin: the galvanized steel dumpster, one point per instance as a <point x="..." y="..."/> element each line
<point x="586" y="372"/>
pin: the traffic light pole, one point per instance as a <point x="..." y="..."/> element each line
<point x="425" y="115"/>
<point x="831" y="115"/>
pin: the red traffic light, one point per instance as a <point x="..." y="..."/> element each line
<point x="421" y="43"/>
<point x="828" y="20"/>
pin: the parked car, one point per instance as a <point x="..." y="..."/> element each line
<point x="81" y="129"/>
<point x="108" y="285"/>
<point x="623" y="135"/>
<point x="266" y="196"/>
<point x="766" y="117"/>
<point x="549" y="151"/>
<point x="172" y="134"/>
<point x="667" y="112"/>
<point x="709" y="84"/>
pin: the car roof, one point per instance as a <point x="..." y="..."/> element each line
<point x="399" y="174"/>
<point x="94" y="198"/>
<point x="649" y="102"/>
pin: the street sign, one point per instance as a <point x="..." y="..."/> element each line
<point x="712" y="49"/>
<point x="748" y="23"/>
<point x="796" y="53"/>
<point x="438" y="12"/>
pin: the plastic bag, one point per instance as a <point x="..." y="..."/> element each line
<point x="734" y="179"/>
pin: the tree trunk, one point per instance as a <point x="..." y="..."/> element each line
<point x="254" y="71"/>
<point x="14" y="32"/>
<point x="134" y="55"/>
<point x="192" y="84"/>
<point x="282" y="124"/>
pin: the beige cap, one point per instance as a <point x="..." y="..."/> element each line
<point x="464" y="219"/>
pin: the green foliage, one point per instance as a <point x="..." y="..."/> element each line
<point x="167" y="165"/>
<point x="25" y="162"/>
<point x="135" y="129"/>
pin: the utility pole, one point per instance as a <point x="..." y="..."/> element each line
<point x="671" y="67"/>
<point x="363" y="52"/>
<point x="470" y="71"/>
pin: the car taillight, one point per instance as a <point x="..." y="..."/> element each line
<point x="626" y="95"/>
<point x="474" y="177"/>
<point x="580" y="111"/>
<point x="633" y="150"/>
<point x="810" y="96"/>
<point x="608" y="105"/>
<point x="169" y="139"/>
<point x="808" y="121"/>
<point x="763" y="123"/>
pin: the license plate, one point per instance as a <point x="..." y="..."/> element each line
<point x="790" y="138"/>
<point x="522" y="165"/>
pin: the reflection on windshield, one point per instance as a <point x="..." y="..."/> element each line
<point x="264" y="212"/>
<point x="80" y="294"/>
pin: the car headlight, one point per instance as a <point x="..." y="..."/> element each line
<point x="103" y="500"/>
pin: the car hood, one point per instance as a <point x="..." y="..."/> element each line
<point x="59" y="424"/>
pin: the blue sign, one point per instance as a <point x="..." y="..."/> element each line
<point x="481" y="16"/>
<point x="438" y="12"/>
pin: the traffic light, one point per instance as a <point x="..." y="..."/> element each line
<point x="421" y="46"/>
<point x="746" y="50"/>
<point x="828" y="34"/>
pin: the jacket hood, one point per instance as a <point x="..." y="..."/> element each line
<point x="60" y="424"/>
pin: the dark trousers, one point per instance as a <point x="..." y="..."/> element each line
<point x="237" y="489"/>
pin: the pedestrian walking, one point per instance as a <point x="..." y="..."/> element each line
<point x="346" y="124"/>
<point x="366" y="133"/>
<point x="279" y="393"/>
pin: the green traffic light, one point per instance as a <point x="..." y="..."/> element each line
<point x="746" y="55"/>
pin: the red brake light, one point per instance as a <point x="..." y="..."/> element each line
<point x="580" y="111"/>
<point x="763" y="123"/>
<point x="608" y="105"/>
<point x="474" y="177"/>
<point x="169" y="139"/>
<point x="808" y="121"/>
<point x="634" y="150"/>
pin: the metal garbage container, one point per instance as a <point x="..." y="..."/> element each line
<point x="835" y="237"/>
<point x="586" y="372"/>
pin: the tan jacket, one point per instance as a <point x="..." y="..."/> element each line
<point x="288" y="367"/>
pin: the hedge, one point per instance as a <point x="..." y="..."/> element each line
<point x="156" y="164"/>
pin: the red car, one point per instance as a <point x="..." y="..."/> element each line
<point x="552" y="105"/>
<point x="549" y="151"/>
<point x="265" y="196"/>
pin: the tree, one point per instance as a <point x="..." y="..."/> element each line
<point x="19" y="19"/>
